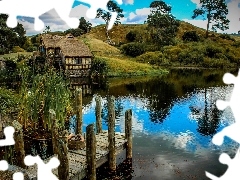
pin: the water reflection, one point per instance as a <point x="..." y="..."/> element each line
<point x="174" y="119"/>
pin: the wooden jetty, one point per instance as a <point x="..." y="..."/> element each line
<point x="101" y="147"/>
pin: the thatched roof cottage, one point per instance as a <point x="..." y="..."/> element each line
<point x="74" y="55"/>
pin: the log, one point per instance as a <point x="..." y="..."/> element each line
<point x="128" y="133"/>
<point x="79" y="111"/>
<point x="111" y="135"/>
<point x="91" y="153"/>
<point x="98" y="111"/>
<point x="19" y="144"/>
<point x="63" y="168"/>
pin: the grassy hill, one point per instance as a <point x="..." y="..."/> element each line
<point x="119" y="64"/>
<point x="218" y="51"/>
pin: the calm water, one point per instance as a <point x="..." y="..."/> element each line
<point x="174" y="119"/>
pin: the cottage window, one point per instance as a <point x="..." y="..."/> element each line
<point x="78" y="60"/>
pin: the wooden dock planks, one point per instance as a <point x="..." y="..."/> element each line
<point x="77" y="158"/>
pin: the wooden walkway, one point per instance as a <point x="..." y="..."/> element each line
<point x="77" y="158"/>
<point x="100" y="148"/>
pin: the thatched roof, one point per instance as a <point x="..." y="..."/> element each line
<point x="69" y="45"/>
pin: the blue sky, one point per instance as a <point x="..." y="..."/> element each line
<point x="136" y="11"/>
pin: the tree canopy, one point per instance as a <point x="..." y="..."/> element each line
<point x="10" y="37"/>
<point x="215" y="11"/>
<point x="162" y="24"/>
<point x="106" y="16"/>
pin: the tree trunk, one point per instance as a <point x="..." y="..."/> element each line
<point x="208" y="23"/>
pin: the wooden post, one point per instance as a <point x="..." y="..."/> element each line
<point x="19" y="144"/>
<point x="91" y="153"/>
<point x="98" y="111"/>
<point x="54" y="131"/>
<point x="63" y="168"/>
<point x="79" y="111"/>
<point x="111" y="135"/>
<point x="128" y="133"/>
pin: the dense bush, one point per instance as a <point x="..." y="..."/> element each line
<point x="190" y="57"/>
<point x="133" y="49"/>
<point x="153" y="58"/>
<point x="216" y="63"/>
<point x="99" y="67"/>
<point x="16" y="49"/>
<point x="31" y="49"/>
<point x="172" y="52"/>
<point x="227" y="37"/>
<point x="213" y="50"/>
<point x="190" y="36"/>
<point x="131" y="36"/>
<point x="8" y="101"/>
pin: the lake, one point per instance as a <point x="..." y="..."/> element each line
<point x="174" y="120"/>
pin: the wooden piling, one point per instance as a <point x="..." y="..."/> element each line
<point x="91" y="153"/>
<point x="111" y="135"/>
<point x="54" y="131"/>
<point x="128" y="133"/>
<point x="63" y="168"/>
<point x="98" y="111"/>
<point x="79" y="111"/>
<point x="19" y="144"/>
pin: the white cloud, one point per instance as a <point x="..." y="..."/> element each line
<point x="128" y="2"/>
<point x="52" y="19"/>
<point x="233" y="16"/>
<point x="139" y="16"/>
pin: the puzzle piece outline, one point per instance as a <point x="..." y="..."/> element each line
<point x="63" y="9"/>
<point x="230" y="131"/>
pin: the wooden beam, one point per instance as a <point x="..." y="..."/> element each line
<point x="91" y="153"/>
<point x="98" y="111"/>
<point x="128" y="133"/>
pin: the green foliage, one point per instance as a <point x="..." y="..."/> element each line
<point x="131" y="36"/>
<point x="133" y="49"/>
<point x="162" y="24"/>
<point x="99" y="67"/>
<point x="172" y="53"/>
<point x="215" y="11"/>
<point x="48" y="91"/>
<point x="16" y="49"/>
<point x="10" y="37"/>
<point x="75" y="32"/>
<point x="190" y="57"/>
<point x="227" y="36"/>
<point x="153" y="58"/>
<point x="216" y="63"/>
<point x="84" y="25"/>
<point x="213" y="51"/>
<point x="9" y="101"/>
<point x="190" y="36"/>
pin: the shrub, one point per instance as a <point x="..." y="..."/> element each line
<point x="31" y="49"/>
<point x="227" y="37"/>
<point x="212" y="50"/>
<point x="16" y="49"/>
<point x="131" y="36"/>
<point x="99" y="67"/>
<point x="153" y="58"/>
<point x="133" y="49"/>
<point x="216" y="63"/>
<point x="190" y="57"/>
<point x="172" y="52"/>
<point x="190" y="36"/>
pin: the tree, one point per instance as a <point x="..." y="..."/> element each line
<point x="162" y="24"/>
<point x="84" y="25"/>
<point x="216" y="12"/>
<point x="10" y="37"/>
<point x="106" y="16"/>
<point x="47" y="29"/>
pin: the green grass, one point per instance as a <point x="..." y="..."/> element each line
<point x="14" y="55"/>
<point x="119" y="64"/>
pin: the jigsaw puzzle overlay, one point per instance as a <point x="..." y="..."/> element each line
<point x="231" y="131"/>
<point x="36" y="8"/>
